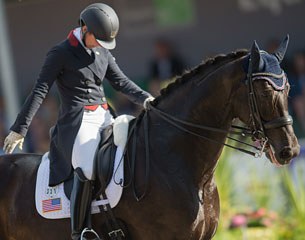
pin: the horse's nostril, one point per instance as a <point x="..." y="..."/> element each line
<point x="286" y="153"/>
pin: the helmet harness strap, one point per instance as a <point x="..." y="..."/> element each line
<point x="84" y="36"/>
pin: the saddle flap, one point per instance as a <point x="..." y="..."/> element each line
<point x="104" y="160"/>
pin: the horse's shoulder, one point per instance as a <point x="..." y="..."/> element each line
<point x="24" y="161"/>
<point x="20" y="157"/>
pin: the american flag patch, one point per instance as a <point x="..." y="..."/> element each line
<point x="51" y="205"/>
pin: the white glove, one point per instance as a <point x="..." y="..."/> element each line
<point x="147" y="100"/>
<point x="11" y="141"/>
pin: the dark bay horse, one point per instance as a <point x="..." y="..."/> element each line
<point x="187" y="125"/>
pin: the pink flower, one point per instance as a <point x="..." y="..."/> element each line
<point x="267" y="222"/>
<point x="258" y="213"/>
<point x="238" y="221"/>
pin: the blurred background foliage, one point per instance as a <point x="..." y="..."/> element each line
<point x="260" y="201"/>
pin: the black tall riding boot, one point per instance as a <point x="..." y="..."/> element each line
<point x="80" y="204"/>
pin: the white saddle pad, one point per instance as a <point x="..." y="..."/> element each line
<point x="52" y="203"/>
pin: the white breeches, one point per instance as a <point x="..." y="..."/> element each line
<point x="88" y="138"/>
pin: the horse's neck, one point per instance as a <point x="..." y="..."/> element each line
<point x="208" y="104"/>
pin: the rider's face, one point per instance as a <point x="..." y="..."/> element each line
<point x="89" y="38"/>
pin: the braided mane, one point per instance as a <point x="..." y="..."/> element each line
<point x="205" y="68"/>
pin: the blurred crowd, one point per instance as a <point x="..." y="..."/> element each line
<point x="163" y="67"/>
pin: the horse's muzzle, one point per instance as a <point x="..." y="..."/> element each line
<point x="284" y="156"/>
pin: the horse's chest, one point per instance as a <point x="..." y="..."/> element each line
<point x="198" y="212"/>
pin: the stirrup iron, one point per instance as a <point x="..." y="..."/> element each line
<point x="87" y="230"/>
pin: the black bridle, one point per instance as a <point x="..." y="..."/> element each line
<point x="256" y="129"/>
<point x="257" y="125"/>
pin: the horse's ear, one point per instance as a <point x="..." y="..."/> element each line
<point x="280" y="52"/>
<point x="256" y="59"/>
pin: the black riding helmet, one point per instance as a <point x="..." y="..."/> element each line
<point x="102" y="21"/>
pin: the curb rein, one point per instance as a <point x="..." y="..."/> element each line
<point x="255" y="130"/>
<point x="257" y="127"/>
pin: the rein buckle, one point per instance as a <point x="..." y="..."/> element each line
<point x="258" y="135"/>
<point x="116" y="233"/>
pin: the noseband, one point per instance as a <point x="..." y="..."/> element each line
<point x="256" y="129"/>
<point x="278" y="122"/>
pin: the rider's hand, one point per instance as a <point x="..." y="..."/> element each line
<point x="11" y="141"/>
<point x="147" y="100"/>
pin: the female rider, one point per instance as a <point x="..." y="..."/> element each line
<point x="78" y="66"/>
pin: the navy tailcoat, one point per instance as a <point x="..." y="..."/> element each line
<point x="79" y="78"/>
